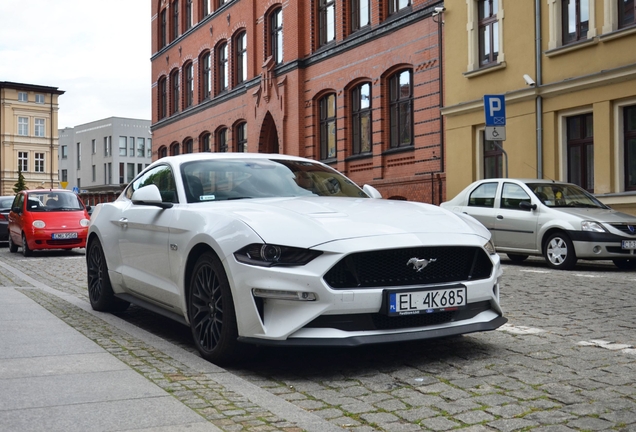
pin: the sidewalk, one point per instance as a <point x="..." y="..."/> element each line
<point x="65" y="367"/>
<point x="54" y="378"/>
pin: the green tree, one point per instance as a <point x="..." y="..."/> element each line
<point x="20" y="185"/>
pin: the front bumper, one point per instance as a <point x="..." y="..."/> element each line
<point x="306" y="323"/>
<point x="591" y="245"/>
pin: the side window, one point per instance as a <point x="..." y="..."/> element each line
<point x="512" y="195"/>
<point x="162" y="177"/>
<point x="483" y="196"/>
<point x="18" y="202"/>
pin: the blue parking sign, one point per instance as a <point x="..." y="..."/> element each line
<point x="495" y="109"/>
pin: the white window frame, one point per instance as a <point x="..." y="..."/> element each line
<point x="472" y="28"/>
<point x="39" y="98"/>
<point x="141" y="146"/>
<point x="23" y="126"/>
<point x="23" y="97"/>
<point x="64" y="152"/>
<point x="123" y="149"/>
<point x="38" y="162"/>
<point x="149" y="147"/>
<point x="23" y="161"/>
<point x="555" y="25"/>
<point x="39" y="127"/>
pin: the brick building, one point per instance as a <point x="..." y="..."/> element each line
<point x="355" y="84"/>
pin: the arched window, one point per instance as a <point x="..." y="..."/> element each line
<point x="240" y="43"/>
<point x="163" y="28"/>
<point x="188" y="73"/>
<point x="240" y="134"/>
<point x="221" y="140"/>
<point x="205" y="75"/>
<point x="175" y="19"/>
<point x="222" y="67"/>
<point x="174" y="92"/>
<point x="162" y="152"/>
<point x="401" y="108"/>
<point x="361" y="118"/>
<point x="174" y="149"/>
<point x="276" y="35"/>
<point x="328" y="126"/>
<point x="327" y="21"/>
<point x="162" y="97"/>
<point x="188" y="146"/>
<point x="204" y="142"/>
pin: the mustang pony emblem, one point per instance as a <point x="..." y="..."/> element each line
<point x="420" y="264"/>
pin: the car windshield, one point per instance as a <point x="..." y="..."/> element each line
<point x="227" y="179"/>
<point x="564" y="195"/>
<point x="53" y="201"/>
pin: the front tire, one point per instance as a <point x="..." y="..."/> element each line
<point x="211" y="311"/>
<point x="25" y="247"/>
<point x="100" y="291"/>
<point x="559" y="252"/>
<point x="13" y="248"/>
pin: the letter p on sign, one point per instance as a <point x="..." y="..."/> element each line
<point x="495" y="110"/>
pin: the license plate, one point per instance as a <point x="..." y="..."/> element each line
<point x="63" y="236"/>
<point x="425" y="301"/>
<point x="629" y="244"/>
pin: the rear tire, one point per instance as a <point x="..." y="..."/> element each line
<point x="25" y="247"/>
<point x="211" y="311"/>
<point x="100" y="291"/>
<point x="517" y="257"/>
<point x="559" y="252"/>
<point x="625" y="264"/>
<point x="13" y="248"/>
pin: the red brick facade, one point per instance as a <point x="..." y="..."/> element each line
<point x="280" y="102"/>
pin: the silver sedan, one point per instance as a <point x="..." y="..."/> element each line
<point x="560" y="221"/>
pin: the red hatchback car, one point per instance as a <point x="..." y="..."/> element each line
<point x="47" y="219"/>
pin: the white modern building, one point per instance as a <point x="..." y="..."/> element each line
<point x="99" y="158"/>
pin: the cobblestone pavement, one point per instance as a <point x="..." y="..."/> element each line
<point x="566" y="360"/>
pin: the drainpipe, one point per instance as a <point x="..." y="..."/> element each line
<point x="51" y="127"/>
<point x="539" y="81"/>
<point x="440" y="24"/>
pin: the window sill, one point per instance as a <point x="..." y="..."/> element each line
<point x="359" y="156"/>
<point x="403" y="149"/>
<point x="571" y="47"/>
<point x="485" y="70"/>
<point x="617" y="34"/>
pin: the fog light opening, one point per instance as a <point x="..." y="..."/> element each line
<point x="597" y="250"/>
<point x="284" y="295"/>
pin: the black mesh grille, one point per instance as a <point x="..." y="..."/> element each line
<point x="624" y="228"/>
<point x="389" y="268"/>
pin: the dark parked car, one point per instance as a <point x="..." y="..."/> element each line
<point x="5" y="208"/>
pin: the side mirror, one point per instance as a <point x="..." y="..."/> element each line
<point x="371" y="191"/>
<point x="525" y="205"/>
<point x="149" y="195"/>
<point x="15" y="209"/>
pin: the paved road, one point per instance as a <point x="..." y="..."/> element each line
<point x="566" y="361"/>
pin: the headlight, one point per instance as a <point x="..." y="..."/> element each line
<point x="268" y="255"/>
<point x="85" y="222"/>
<point x="592" y="226"/>
<point x="38" y="224"/>
<point x="490" y="247"/>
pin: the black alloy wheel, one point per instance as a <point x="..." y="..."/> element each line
<point x="211" y="311"/>
<point x="25" y="247"/>
<point x="100" y="291"/>
<point x="517" y="257"/>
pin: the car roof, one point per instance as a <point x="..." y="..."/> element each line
<point x="179" y="159"/>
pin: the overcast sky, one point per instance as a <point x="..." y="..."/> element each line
<point x="97" y="52"/>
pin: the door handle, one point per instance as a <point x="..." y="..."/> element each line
<point x="123" y="222"/>
<point x="499" y="217"/>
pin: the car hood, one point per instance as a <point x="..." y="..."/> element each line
<point x="311" y="221"/>
<point x="600" y="215"/>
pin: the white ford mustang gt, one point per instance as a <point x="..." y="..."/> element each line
<point x="281" y="250"/>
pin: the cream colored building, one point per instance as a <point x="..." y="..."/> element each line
<point x="568" y="73"/>
<point x="28" y="133"/>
